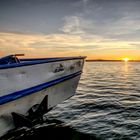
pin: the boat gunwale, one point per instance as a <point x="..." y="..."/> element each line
<point x="35" y="61"/>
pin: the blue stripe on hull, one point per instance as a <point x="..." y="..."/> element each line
<point x="22" y="93"/>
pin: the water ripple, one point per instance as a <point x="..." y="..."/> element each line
<point x="107" y="102"/>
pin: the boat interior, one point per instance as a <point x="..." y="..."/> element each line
<point x="13" y="59"/>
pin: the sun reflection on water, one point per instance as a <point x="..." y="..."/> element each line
<point x="126" y="67"/>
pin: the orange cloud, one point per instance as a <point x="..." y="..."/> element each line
<point x="92" y="46"/>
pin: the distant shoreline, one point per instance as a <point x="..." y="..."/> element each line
<point x="111" y="61"/>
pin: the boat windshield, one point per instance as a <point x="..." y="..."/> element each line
<point x="10" y="59"/>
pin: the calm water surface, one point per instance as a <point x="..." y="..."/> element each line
<point x="107" y="102"/>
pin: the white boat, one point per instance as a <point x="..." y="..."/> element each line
<point x="26" y="84"/>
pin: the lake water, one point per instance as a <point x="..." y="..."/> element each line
<point x="107" y="102"/>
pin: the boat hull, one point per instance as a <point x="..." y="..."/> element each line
<point x="25" y="86"/>
<point x="56" y="94"/>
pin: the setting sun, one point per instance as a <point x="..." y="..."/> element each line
<point x="126" y="59"/>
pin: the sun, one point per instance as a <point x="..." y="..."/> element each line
<point x="126" y="59"/>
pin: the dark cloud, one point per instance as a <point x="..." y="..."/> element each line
<point x="43" y="16"/>
<point x="107" y="18"/>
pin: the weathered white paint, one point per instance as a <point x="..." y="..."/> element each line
<point x="15" y="79"/>
<point x="18" y="78"/>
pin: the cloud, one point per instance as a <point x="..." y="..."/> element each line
<point x="109" y="20"/>
<point x="72" y="25"/>
<point x="53" y="45"/>
<point x="41" y="45"/>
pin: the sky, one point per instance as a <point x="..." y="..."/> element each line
<point x="98" y="29"/>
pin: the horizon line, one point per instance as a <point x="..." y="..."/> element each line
<point x="90" y="60"/>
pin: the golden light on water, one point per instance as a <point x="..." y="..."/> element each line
<point x="126" y="59"/>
